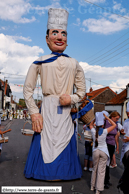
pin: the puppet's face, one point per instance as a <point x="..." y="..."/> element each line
<point x="57" y="40"/>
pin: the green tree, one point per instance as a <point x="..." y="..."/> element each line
<point x="22" y="103"/>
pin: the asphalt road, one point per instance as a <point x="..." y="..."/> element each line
<point x="13" y="159"/>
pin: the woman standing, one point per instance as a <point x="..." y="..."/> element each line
<point x="100" y="151"/>
<point x="112" y="140"/>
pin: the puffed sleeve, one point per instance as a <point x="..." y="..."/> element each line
<point x="29" y="86"/>
<point x="80" y="85"/>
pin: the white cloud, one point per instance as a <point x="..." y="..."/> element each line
<point x="15" y="10"/>
<point x="117" y="77"/>
<point x="78" y="22"/>
<point x="109" y="24"/>
<point x="120" y="83"/>
<point x="105" y="73"/>
<point x="97" y="1"/>
<point x="2" y="28"/>
<point x="15" y="88"/>
<point x="16" y="57"/>
<point x="83" y="29"/>
<point x="17" y="91"/>
<point x="118" y="6"/>
<point x="96" y="87"/>
<point x="83" y="2"/>
<point x="70" y="1"/>
<point x="27" y="39"/>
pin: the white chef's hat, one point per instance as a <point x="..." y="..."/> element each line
<point x="57" y="19"/>
<point x="127" y="110"/>
<point x="99" y="118"/>
<point x="106" y="113"/>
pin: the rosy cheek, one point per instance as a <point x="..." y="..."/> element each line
<point x="52" y="37"/>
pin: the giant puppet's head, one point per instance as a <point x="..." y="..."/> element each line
<point x="56" y="37"/>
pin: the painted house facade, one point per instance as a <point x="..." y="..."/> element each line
<point x="118" y="103"/>
<point x="100" y="97"/>
<point x="5" y="94"/>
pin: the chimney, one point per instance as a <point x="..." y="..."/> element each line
<point x="91" y="90"/>
<point x="127" y="89"/>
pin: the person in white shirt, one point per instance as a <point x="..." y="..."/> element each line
<point x="100" y="151"/>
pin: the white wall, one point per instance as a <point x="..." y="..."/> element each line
<point x="124" y="111"/>
<point x="114" y="108"/>
<point x="13" y="106"/>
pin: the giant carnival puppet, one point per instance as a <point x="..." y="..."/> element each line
<point x="53" y="154"/>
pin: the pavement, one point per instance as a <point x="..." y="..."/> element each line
<point x="14" y="155"/>
<point x="4" y="124"/>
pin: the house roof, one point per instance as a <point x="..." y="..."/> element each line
<point x="119" y="99"/>
<point x="95" y="93"/>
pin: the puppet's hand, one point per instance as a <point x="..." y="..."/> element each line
<point x="37" y="122"/>
<point x="65" y="100"/>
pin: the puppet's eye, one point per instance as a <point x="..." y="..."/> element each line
<point x="54" y="34"/>
<point x="64" y="35"/>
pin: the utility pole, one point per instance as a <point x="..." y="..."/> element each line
<point x="90" y="82"/>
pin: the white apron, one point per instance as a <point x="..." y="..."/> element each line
<point x="58" y="128"/>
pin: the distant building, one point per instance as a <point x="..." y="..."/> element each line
<point x="13" y="104"/>
<point x="118" y="103"/>
<point x="5" y="94"/>
<point x="100" y="97"/>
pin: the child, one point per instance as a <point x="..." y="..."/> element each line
<point x="88" y="151"/>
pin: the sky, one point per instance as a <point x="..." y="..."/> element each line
<point x="98" y="37"/>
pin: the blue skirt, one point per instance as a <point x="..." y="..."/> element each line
<point x="65" y="167"/>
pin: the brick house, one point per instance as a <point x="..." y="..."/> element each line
<point x="100" y="97"/>
<point x="118" y="103"/>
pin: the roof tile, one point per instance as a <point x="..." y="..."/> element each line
<point x="119" y="99"/>
<point x="95" y="93"/>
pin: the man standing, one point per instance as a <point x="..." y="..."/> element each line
<point x="53" y="153"/>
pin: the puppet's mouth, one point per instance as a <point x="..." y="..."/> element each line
<point x="59" y="43"/>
